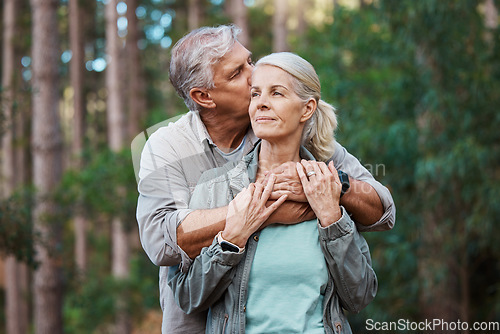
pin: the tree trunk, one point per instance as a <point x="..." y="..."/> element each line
<point x="194" y="14"/>
<point x="12" y="295"/>
<point x="76" y="76"/>
<point x="16" y="289"/>
<point x="280" y="31"/>
<point x="47" y="165"/>
<point x="136" y="81"/>
<point x="115" y="114"/>
<point x="491" y="14"/>
<point x="238" y="12"/>
<point x="8" y="66"/>
<point x="439" y="295"/>
<point x="490" y="21"/>
<point x="302" y="6"/>
<point x="12" y="289"/>
<point x="116" y="139"/>
<point x="137" y="91"/>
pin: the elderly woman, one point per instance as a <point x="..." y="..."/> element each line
<point x="281" y="278"/>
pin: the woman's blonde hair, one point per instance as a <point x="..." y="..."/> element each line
<point x="319" y="131"/>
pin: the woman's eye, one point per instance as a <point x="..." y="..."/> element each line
<point x="277" y="93"/>
<point x="254" y="94"/>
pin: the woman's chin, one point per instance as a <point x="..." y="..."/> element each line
<point x="265" y="134"/>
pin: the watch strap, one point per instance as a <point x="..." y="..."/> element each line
<point x="344" y="180"/>
<point x="228" y="246"/>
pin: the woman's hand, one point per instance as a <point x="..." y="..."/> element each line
<point x="287" y="183"/>
<point x="322" y="188"/>
<point x="247" y="211"/>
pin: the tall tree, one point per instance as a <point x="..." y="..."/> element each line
<point x="47" y="165"/>
<point x="301" y="17"/>
<point x="238" y="12"/>
<point x="116" y="139"/>
<point x="8" y="66"/>
<point x="77" y="71"/>
<point x="194" y="14"/>
<point x="136" y="82"/>
<point x="15" y="272"/>
<point x="280" y="30"/>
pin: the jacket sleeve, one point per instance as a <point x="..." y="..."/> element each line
<point x="162" y="203"/>
<point x="349" y="262"/>
<point x="196" y="288"/>
<point x="345" y="161"/>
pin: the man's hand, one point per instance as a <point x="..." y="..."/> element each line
<point x="361" y="201"/>
<point x="290" y="213"/>
<point x="249" y="210"/>
<point x="287" y="183"/>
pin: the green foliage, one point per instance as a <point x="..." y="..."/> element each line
<point x="91" y="305"/>
<point x="416" y="93"/>
<point x="16" y="229"/>
<point x="104" y="188"/>
<point x="416" y="84"/>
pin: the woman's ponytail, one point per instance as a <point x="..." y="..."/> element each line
<point x="319" y="137"/>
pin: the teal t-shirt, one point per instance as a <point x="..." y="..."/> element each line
<point x="287" y="281"/>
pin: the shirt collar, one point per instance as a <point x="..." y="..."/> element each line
<point x="200" y="128"/>
<point x="204" y="136"/>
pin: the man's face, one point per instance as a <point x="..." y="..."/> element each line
<point x="232" y="79"/>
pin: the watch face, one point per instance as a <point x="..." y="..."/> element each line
<point x="226" y="246"/>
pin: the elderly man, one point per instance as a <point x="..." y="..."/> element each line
<point x="212" y="71"/>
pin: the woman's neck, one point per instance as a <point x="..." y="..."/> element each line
<point x="274" y="154"/>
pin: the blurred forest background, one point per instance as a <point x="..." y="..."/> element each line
<point x="417" y="87"/>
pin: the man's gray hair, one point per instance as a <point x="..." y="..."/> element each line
<point x="194" y="55"/>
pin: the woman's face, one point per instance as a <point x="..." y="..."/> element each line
<point x="276" y="112"/>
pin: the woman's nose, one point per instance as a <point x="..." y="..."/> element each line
<point x="263" y="102"/>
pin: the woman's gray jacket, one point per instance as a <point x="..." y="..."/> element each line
<point x="218" y="279"/>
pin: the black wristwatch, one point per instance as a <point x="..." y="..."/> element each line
<point x="228" y="246"/>
<point x="344" y="180"/>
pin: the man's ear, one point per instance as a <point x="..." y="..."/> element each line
<point x="202" y="97"/>
<point x="309" y="109"/>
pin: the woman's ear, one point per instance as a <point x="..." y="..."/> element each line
<point x="309" y="109"/>
<point x="202" y="97"/>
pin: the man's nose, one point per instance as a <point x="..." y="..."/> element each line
<point x="248" y="72"/>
